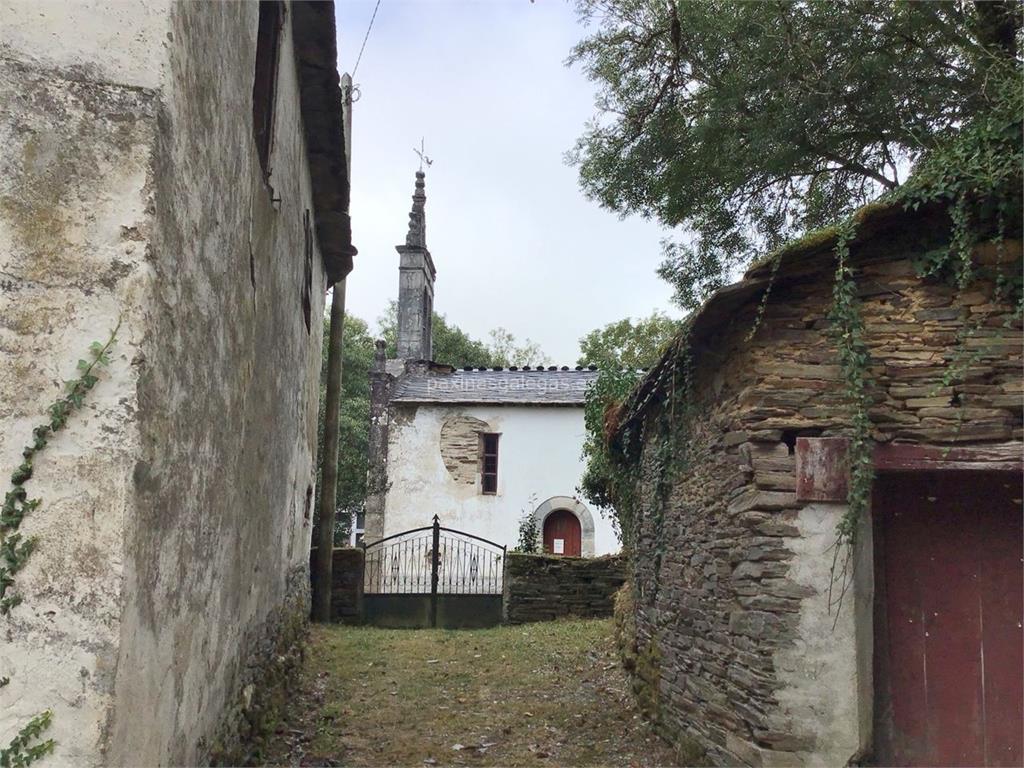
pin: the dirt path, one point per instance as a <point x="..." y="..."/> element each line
<point x="538" y="695"/>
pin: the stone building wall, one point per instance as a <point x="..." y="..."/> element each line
<point x="170" y="584"/>
<point x="543" y="588"/>
<point x="76" y="137"/>
<point x="743" y="656"/>
<point x="346" y="584"/>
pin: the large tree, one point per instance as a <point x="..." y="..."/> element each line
<point x="742" y="123"/>
<point x="627" y="343"/>
<point x="353" y="420"/>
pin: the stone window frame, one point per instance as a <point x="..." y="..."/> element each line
<point x="578" y="508"/>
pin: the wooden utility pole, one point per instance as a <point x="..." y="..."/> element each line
<point x="323" y="568"/>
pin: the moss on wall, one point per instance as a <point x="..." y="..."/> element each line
<point x="269" y="670"/>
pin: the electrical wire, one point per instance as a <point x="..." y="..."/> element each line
<point x="365" y="38"/>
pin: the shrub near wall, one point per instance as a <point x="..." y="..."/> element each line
<point x="543" y="587"/>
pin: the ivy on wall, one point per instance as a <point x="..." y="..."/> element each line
<point x="15" y="550"/>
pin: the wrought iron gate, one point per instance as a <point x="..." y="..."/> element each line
<point x="412" y="578"/>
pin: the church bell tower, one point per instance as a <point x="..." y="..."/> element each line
<point x="415" y="283"/>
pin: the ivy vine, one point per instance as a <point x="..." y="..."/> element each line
<point x="846" y="327"/>
<point x="15" y="549"/>
<point x="611" y="450"/>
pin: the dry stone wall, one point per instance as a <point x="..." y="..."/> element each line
<point x="460" y="447"/>
<point x="346" y="584"/>
<point x="542" y="587"/>
<point x="731" y="571"/>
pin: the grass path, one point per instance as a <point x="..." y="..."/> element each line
<point x="548" y="694"/>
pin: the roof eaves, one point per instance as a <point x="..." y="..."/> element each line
<point x="320" y="98"/>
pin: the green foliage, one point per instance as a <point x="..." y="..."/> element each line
<point x="620" y="350"/>
<point x="608" y="483"/>
<point x="529" y="532"/>
<point x="746" y="123"/>
<point x="453" y="346"/>
<point x="15" y="550"/>
<point x="628" y="344"/>
<point x="847" y="330"/>
<point x="506" y="350"/>
<point x="21" y="752"/>
<point x="610" y="480"/>
<point x="974" y="174"/>
<point x="353" y="422"/>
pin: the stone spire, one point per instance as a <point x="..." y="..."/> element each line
<point x="417" y="216"/>
<point x="416" y="282"/>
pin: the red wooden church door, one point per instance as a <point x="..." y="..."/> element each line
<point x="949" y="590"/>
<point x="562" y="534"/>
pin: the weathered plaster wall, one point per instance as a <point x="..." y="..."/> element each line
<point x="732" y="572"/>
<point x="171" y="579"/>
<point x="217" y="553"/>
<point x="538" y="458"/>
<point x="76" y="135"/>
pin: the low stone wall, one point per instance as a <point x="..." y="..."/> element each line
<point x="270" y="661"/>
<point x="346" y="584"/>
<point x="542" y="587"/>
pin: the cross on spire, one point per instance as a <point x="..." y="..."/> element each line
<point x="422" y="152"/>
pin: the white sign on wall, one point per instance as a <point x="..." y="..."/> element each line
<point x="559" y="546"/>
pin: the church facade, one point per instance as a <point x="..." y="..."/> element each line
<point x="479" y="447"/>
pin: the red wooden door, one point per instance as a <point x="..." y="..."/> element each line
<point x="562" y="534"/>
<point x="949" y="590"/>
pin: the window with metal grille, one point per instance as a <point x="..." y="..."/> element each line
<point x="489" y="463"/>
<point x="264" y="86"/>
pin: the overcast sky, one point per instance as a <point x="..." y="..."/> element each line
<point x="515" y="242"/>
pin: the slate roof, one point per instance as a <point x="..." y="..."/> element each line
<point x="881" y="228"/>
<point x="496" y="387"/>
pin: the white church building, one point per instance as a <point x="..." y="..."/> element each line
<point x="478" y="447"/>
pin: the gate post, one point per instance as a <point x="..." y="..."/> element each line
<point x="434" y="562"/>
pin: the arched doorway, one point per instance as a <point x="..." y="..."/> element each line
<point x="578" y="509"/>
<point x="562" y="534"/>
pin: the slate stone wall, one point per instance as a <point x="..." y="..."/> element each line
<point x="347" y="586"/>
<point x="460" y="447"/>
<point x="542" y="587"/>
<point x="731" y="572"/>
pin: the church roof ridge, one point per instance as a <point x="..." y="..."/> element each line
<point x="536" y="386"/>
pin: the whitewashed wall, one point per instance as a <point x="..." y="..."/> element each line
<point x="174" y="532"/>
<point x="538" y="457"/>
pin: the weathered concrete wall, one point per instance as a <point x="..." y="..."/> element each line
<point x="76" y="137"/>
<point x="171" y="576"/>
<point x="227" y="398"/>
<point x="733" y="627"/>
<point x="538" y="458"/>
<point x="543" y="588"/>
